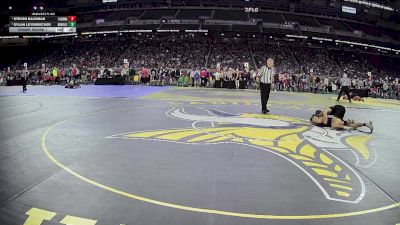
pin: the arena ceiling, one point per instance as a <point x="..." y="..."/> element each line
<point x="367" y="18"/>
<point x="54" y="4"/>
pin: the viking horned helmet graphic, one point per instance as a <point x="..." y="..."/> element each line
<point x="306" y="147"/>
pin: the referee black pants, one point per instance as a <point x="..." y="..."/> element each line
<point x="265" y="89"/>
<point x="346" y="90"/>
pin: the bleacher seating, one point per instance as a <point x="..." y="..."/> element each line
<point x="367" y="29"/>
<point x="336" y="24"/>
<point x="178" y="3"/>
<point x="179" y="26"/>
<point x="302" y="20"/>
<point x="229" y="53"/>
<point x="392" y="34"/>
<point x="268" y="17"/>
<point x="215" y="27"/>
<point x="91" y="17"/>
<point x="123" y="14"/>
<point x="86" y="18"/>
<point x="144" y="27"/>
<point x="104" y="15"/>
<point x="193" y="14"/>
<point x="282" y="55"/>
<point x="234" y="15"/>
<point x="158" y="13"/>
<point x="245" y="28"/>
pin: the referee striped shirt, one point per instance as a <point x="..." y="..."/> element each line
<point x="345" y="81"/>
<point x="266" y="74"/>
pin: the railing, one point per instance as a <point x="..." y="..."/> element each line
<point x="229" y="22"/>
<point x="315" y="29"/>
<point x="208" y="21"/>
<point x="143" y="22"/>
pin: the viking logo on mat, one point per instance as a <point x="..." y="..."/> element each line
<point x="308" y="148"/>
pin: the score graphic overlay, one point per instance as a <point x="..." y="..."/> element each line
<point x="42" y="24"/>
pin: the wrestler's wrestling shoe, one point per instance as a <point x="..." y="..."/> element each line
<point x="370" y="126"/>
<point x="265" y="111"/>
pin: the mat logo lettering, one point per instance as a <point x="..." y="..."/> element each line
<point x="38" y="216"/>
<point x="306" y="147"/>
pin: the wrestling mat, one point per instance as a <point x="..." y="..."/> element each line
<point x="178" y="156"/>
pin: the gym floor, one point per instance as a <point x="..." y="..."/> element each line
<point x="138" y="155"/>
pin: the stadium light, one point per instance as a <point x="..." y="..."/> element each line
<point x="365" y="45"/>
<point x="296" y="36"/>
<point x="321" y="39"/>
<point x="371" y="4"/>
<point x="49" y="36"/>
<point x="10" y="7"/>
<point x="41" y="7"/>
<point x="34" y="7"/>
<point x="9" y="37"/>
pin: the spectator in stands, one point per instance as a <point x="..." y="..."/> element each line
<point x="74" y="72"/>
<point x="173" y="53"/>
<point x="24" y="82"/>
<point x="334" y="87"/>
<point x="197" y="78"/>
<point x="276" y="82"/>
<point x="385" y="88"/>
<point x="216" y="77"/>
<point x="93" y="75"/>
<point x="144" y="75"/>
<point x="55" y="75"/>
<point x="203" y="77"/>
<point x="326" y="84"/>
<point x="192" y="75"/>
<point x="2" y="78"/>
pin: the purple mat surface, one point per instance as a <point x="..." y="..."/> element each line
<point x="124" y="91"/>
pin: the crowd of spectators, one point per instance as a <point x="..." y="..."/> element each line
<point x="167" y="51"/>
<point x="316" y="60"/>
<point x="229" y="53"/>
<point x="188" y="60"/>
<point x="281" y="53"/>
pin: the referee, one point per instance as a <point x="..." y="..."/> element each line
<point x="266" y="74"/>
<point x="345" y="87"/>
